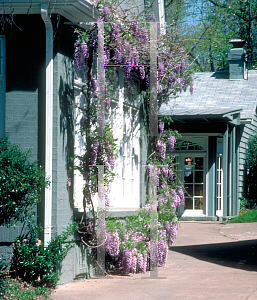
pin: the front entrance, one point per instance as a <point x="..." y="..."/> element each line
<point x="191" y="166"/>
<point x="194" y="182"/>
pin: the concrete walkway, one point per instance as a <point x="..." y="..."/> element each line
<point x="208" y="260"/>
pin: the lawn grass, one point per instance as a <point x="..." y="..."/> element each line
<point x="247" y="217"/>
<point x="11" y="289"/>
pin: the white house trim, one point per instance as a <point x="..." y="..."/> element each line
<point x="49" y="122"/>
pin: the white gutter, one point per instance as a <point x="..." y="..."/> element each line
<point x="49" y="122"/>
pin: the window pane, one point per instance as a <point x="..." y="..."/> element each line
<point x="199" y="176"/>
<point x="188" y="203"/>
<point x="199" y="163"/>
<point x="198" y="190"/>
<point x="188" y="170"/>
<point x="188" y="177"/>
<point x="189" y="163"/>
<point x="189" y="190"/>
<point x="198" y="203"/>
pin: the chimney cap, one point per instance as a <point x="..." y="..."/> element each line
<point x="237" y="43"/>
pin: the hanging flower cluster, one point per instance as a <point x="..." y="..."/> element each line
<point x="127" y="45"/>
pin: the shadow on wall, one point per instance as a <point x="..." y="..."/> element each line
<point x="85" y="260"/>
<point x="66" y="99"/>
<point x="239" y="255"/>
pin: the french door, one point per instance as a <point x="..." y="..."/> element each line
<point x="194" y="178"/>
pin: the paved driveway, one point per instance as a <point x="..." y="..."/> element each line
<point x="208" y="260"/>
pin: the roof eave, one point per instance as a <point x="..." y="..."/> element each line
<point x="73" y="10"/>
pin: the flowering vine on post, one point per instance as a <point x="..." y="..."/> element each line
<point x="127" y="47"/>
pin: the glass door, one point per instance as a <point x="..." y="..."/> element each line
<point x="194" y="182"/>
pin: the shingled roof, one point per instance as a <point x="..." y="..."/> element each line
<point x="214" y="94"/>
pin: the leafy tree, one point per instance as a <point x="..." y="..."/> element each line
<point x="209" y="25"/>
<point x="21" y="183"/>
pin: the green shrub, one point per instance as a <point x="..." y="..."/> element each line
<point x="251" y="154"/>
<point x="251" y="180"/>
<point x="11" y="289"/>
<point x="244" y="203"/>
<point x="34" y="263"/>
<point x="21" y="182"/>
<point x="247" y="217"/>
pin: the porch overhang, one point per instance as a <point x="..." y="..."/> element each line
<point x="204" y="115"/>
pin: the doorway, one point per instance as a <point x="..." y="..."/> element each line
<point x="194" y="177"/>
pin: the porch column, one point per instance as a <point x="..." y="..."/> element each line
<point x="234" y="181"/>
<point x="225" y="174"/>
<point x="211" y="198"/>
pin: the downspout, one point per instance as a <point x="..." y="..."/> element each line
<point x="49" y="122"/>
<point x="162" y="16"/>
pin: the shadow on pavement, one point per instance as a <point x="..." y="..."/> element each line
<point x="240" y="255"/>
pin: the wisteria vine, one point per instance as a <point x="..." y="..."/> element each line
<point x="127" y="46"/>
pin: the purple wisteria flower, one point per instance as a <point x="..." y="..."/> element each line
<point x="149" y="170"/>
<point x="128" y="70"/>
<point x="101" y="122"/>
<point x="93" y="86"/>
<point x="147" y="80"/>
<point x="162" y="148"/>
<point x="134" y="261"/>
<point x="93" y="43"/>
<point x="107" y="103"/>
<point x="77" y="55"/>
<point x="172" y="141"/>
<point x="142" y="72"/>
<point x="68" y="182"/>
<point x="153" y="17"/>
<point x="91" y="225"/>
<point x="112" y="159"/>
<point x="107" y="57"/>
<point x="171" y="174"/>
<point x="115" y="30"/>
<point x="163" y="151"/>
<point x="127" y="261"/>
<point x="112" y="244"/>
<point x="171" y="230"/>
<point x="110" y="154"/>
<point x="165" y="171"/>
<point x="178" y="69"/>
<point x="161" y="69"/>
<point x="135" y="58"/>
<point x="135" y="27"/>
<point x="162" y="252"/>
<point x="141" y="266"/>
<point x="176" y="199"/>
<point x="94" y="153"/>
<point x="84" y="50"/>
<point x="181" y="195"/>
<point x="107" y="13"/>
<point x="144" y="35"/>
<point x="161" y="127"/>
<point x="107" y="200"/>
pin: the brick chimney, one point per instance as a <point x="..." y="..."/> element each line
<point x="236" y="60"/>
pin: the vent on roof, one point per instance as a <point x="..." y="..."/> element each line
<point x="236" y="59"/>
